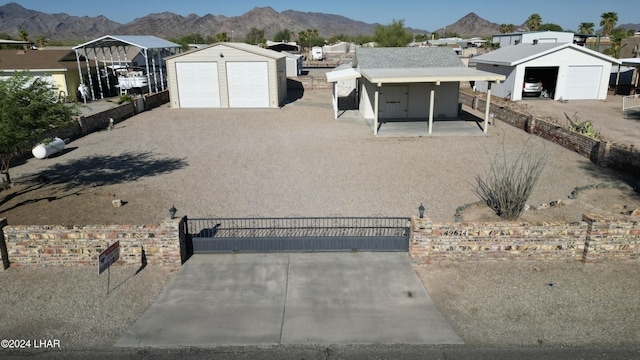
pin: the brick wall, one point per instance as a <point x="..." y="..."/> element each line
<point x="608" y="239"/>
<point x="58" y="245"/>
<point x="309" y="82"/>
<point x="594" y="239"/>
<point x="603" y="153"/>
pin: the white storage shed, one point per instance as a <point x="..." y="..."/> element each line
<point x="567" y="71"/>
<point x="227" y="75"/>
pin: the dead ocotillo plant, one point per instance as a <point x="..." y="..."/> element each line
<point x="510" y="180"/>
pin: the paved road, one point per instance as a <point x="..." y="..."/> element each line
<point x="341" y="352"/>
<point x="297" y="298"/>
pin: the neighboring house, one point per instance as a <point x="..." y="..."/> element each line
<point x="540" y="37"/>
<point x="340" y="48"/>
<point x="227" y="75"/>
<point x="58" y="67"/>
<point x="294" y="64"/>
<point x="407" y="84"/>
<point x="567" y="71"/>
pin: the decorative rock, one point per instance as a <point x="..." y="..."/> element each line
<point x="116" y="203"/>
<point x="636" y="212"/>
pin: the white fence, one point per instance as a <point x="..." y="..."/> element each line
<point x="630" y="102"/>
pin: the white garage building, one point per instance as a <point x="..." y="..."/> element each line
<point x="227" y="75"/>
<point x="567" y="71"/>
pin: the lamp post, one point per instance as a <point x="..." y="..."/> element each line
<point x="421" y="211"/>
<point x="172" y="212"/>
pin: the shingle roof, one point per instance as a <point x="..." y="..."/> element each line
<point x="42" y="60"/>
<point x="406" y="57"/>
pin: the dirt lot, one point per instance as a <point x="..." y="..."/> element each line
<point x="296" y="160"/>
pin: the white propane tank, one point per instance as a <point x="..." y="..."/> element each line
<point x="44" y="150"/>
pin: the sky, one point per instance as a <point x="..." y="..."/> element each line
<point x="420" y="14"/>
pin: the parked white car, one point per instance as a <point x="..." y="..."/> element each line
<point x="532" y="87"/>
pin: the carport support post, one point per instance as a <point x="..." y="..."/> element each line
<point x="487" y="106"/>
<point x="334" y="99"/>
<point x="432" y="101"/>
<point x="375" y="114"/>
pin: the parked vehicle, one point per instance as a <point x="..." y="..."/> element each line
<point x="532" y="87"/>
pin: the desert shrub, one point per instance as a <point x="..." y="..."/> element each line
<point x="508" y="183"/>
<point x="125" y="98"/>
<point x="583" y="127"/>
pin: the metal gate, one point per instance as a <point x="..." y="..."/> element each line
<point x="630" y="102"/>
<point x="304" y="234"/>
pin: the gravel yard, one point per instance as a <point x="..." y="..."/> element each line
<point x="299" y="161"/>
<point x="296" y="160"/>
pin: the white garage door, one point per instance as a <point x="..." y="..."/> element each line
<point x="583" y="82"/>
<point x="198" y="84"/>
<point x="248" y="84"/>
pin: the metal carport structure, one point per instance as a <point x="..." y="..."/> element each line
<point x="111" y="50"/>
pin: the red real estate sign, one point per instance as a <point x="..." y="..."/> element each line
<point x="108" y="257"/>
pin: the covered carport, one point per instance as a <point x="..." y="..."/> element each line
<point x="109" y="52"/>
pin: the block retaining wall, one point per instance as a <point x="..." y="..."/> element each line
<point x="594" y="239"/>
<point x="603" y="153"/>
<point x="59" y="245"/>
<point x="310" y="82"/>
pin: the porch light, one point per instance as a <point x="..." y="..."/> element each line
<point x="421" y="211"/>
<point x="173" y="212"/>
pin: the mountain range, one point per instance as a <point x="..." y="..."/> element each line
<point x="64" y="27"/>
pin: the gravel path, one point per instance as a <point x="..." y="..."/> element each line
<point x="298" y="160"/>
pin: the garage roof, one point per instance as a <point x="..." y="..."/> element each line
<point x="239" y="46"/>
<point x="517" y="54"/>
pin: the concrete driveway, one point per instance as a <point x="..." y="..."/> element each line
<point x="292" y="298"/>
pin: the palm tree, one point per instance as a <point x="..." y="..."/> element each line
<point x="507" y="28"/>
<point x="24" y="36"/>
<point x="533" y="22"/>
<point x="608" y="22"/>
<point x="42" y="40"/>
<point x="586" y="28"/>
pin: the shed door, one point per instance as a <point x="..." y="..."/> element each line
<point x="248" y="84"/>
<point x="393" y="102"/>
<point x="198" y="84"/>
<point x="583" y="82"/>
